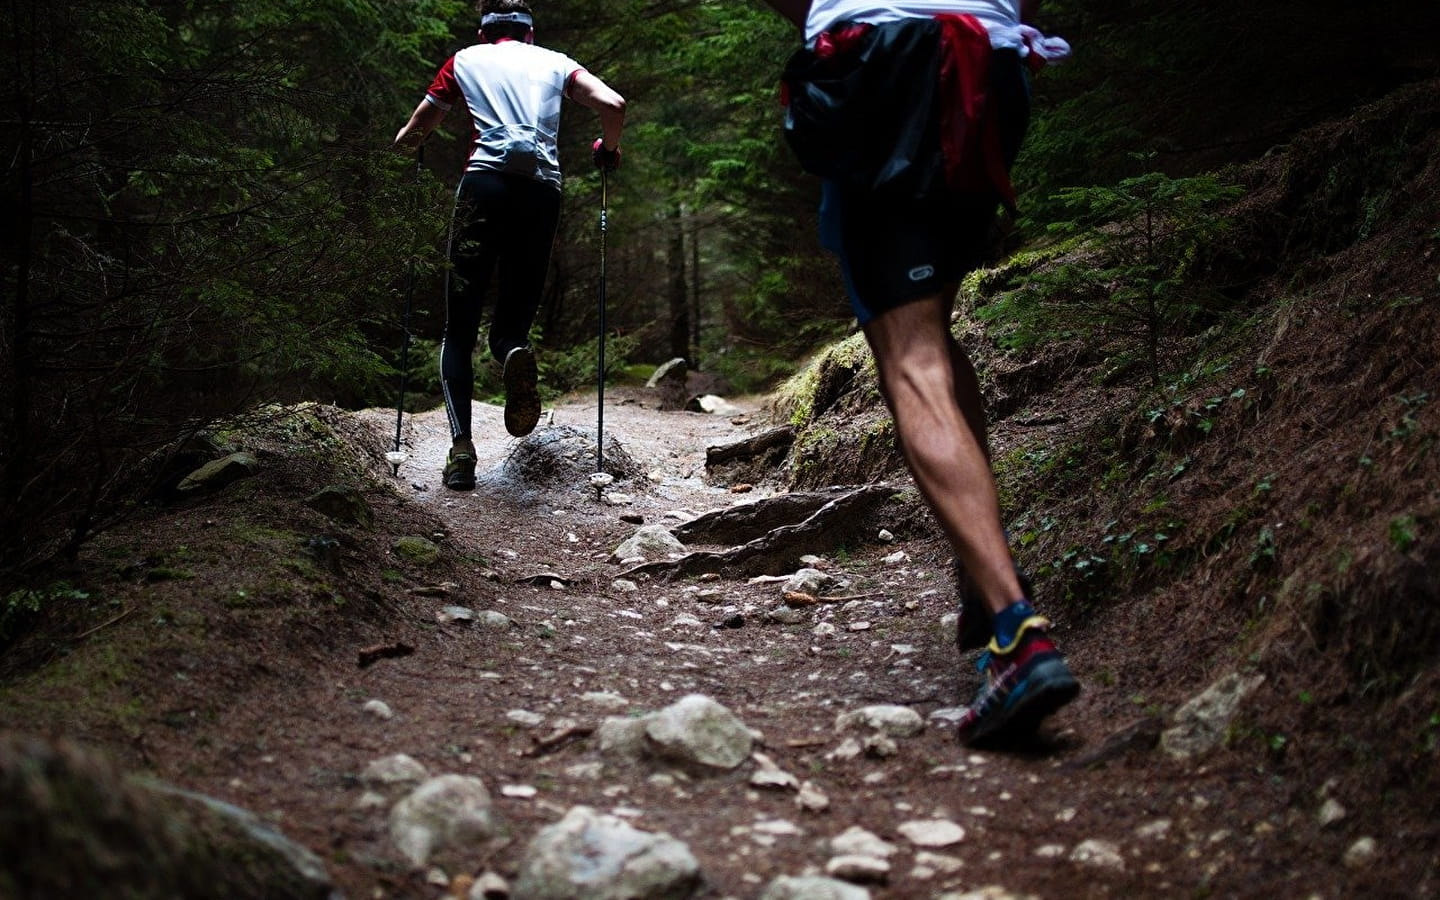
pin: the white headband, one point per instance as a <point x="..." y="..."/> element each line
<point x="518" y="18"/>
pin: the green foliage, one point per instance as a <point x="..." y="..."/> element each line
<point x="22" y="605"/>
<point x="198" y="235"/>
<point x="1131" y="279"/>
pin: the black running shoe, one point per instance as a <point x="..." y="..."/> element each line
<point x="460" y="467"/>
<point x="522" y="392"/>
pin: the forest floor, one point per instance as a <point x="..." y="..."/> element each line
<point x="232" y="670"/>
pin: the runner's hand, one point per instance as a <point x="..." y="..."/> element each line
<point x="605" y="160"/>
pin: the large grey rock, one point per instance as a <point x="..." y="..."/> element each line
<point x="71" y="825"/>
<point x="812" y="887"/>
<point x="1200" y="724"/>
<point x="218" y="473"/>
<point x="589" y="856"/>
<point x="695" y="730"/>
<point x="446" y="811"/>
<point x="650" y="542"/>
<point x="341" y="504"/>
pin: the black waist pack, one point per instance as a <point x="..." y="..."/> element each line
<point x="862" y="106"/>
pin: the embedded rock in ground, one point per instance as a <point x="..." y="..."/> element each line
<point x="808" y="581"/>
<point x="813" y="887"/>
<point x="74" y="826"/>
<point x="416" y="549"/>
<point x="218" y="473"/>
<point x="398" y="768"/>
<point x="932" y="832"/>
<point x="341" y="504"/>
<point x="622" y="738"/>
<point x="601" y="857"/>
<point x="1097" y="854"/>
<point x="649" y="542"/>
<point x="446" y="811"/>
<point x="697" y="731"/>
<point x="895" y="721"/>
<point x="1201" y="724"/>
<point x="856" y="841"/>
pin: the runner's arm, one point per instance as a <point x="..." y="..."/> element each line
<point x="794" y="10"/>
<point x="422" y="121"/>
<point x="587" y="90"/>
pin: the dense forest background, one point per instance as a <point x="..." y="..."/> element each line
<point x="203" y="214"/>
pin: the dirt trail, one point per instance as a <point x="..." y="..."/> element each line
<point x="1027" y="817"/>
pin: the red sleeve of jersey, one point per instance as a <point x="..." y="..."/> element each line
<point x="445" y="89"/>
<point x="570" y="80"/>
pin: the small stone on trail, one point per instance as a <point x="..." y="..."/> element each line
<point x="685" y="620"/>
<point x="1153" y="830"/>
<point x="812" y="887"/>
<point x="398" y="768"/>
<point x="891" y="719"/>
<point x="848" y="749"/>
<point x="808" y="581"/>
<point x="866" y="869"/>
<point x="784" y="615"/>
<point x="495" y="621"/>
<point x="615" y="498"/>
<point x="489" y="886"/>
<point x="1361" y="853"/>
<point x="379" y="709"/>
<point x="940" y="862"/>
<point x="624" y="585"/>
<point x="858" y="626"/>
<point x="604" y="700"/>
<point x="932" y="832"/>
<point x="896" y="558"/>
<point x="457" y="614"/>
<point x="811" y="798"/>
<point x="770" y="775"/>
<point x="525" y="717"/>
<point x="1331" y="811"/>
<point x="1098" y="854"/>
<point x="741" y="488"/>
<point x="518" y="791"/>
<point x="856" y="841"/>
<point x="885" y="536"/>
<point x="1050" y="851"/>
<point x="880" y="746"/>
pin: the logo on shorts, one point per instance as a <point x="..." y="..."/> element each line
<point x="920" y="273"/>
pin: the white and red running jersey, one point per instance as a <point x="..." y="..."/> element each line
<point x="513" y="92"/>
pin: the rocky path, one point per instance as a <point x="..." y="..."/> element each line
<point x="577" y="725"/>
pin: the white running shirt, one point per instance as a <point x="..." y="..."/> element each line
<point x="1000" y="17"/>
<point x="513" y="92"/>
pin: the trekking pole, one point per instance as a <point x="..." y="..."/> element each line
<point x="600" y="388"/>
<point x="396" y="456"/>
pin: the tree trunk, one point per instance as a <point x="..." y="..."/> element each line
<point x="677" y="294"/>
